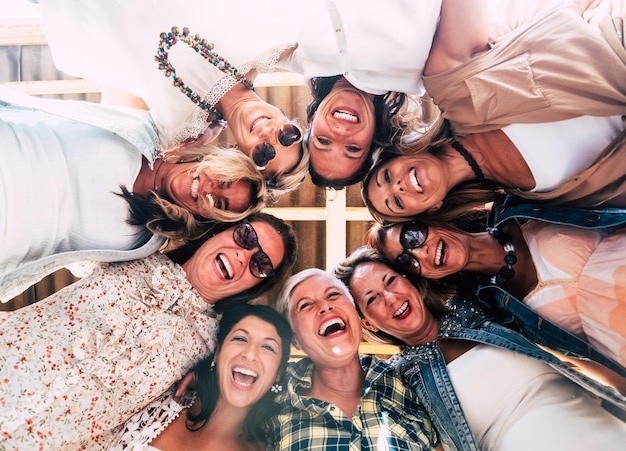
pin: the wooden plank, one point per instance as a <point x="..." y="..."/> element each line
<point x="22" y="31"/>
<point x="80" y="86"/>
<point x="365" y="347"/>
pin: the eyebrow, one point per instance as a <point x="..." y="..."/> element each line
<point x="345" y="153"/>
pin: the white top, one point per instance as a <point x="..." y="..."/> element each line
<point x="59" y="177"/>
<point x="377" y="46"/>
<point x="104" y="41"/>
<point x="555" y="151"/>
<point x="514" y="402"/>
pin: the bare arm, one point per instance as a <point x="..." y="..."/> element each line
<point x="463" y="31"/>
<point x="119" y="97"/>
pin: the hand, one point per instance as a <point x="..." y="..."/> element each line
<point x="189" y="381"/>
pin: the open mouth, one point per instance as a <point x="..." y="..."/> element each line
<point x="402" y="310"/>
<point x="343" y="115"/>
<point x="331" y="326"/>
<point x="194" y="188"/>
<point x="258" y="121"/>
<point x="224" y="267"/>
<point x="415" y="183"/>
<point x="440" y="254"/>
<point x="244" y="376"/>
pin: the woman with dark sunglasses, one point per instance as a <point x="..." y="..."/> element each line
<point x="203" y="91"/>
<point x="566" y="266"/>
<point x="487" y="387"/>
<point x="358" y="84"/>
<point x="87" y="182"/>
<point x="79" y="363"/>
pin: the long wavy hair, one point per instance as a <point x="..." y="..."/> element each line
<point x="458" y="284"/>
<point x="463" y="197"/>
<point x="286" y="181"/>
<point x="434" y="297"/>
<point x="256" y="426"/>
<point x="266" y="288"/>
<point x="389" y="123"/>
<point x="164" y="218"/>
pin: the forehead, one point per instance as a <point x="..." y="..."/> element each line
<point x="270" y="240"/>
<point x="391" y="242"/>
<point x="256" y="327"/>
<point x="365" y="275"/>
<point x="314" y="285"/>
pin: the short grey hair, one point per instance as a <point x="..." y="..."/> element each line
<point x="284" y="298"/>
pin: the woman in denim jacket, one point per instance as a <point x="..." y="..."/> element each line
<point x="479" y="395"/>
<point x="558" y="271"/>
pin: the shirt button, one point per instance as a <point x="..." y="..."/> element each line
<point x="338" y="30"/>
<point x="332" y="408"/>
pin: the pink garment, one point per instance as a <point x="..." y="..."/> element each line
<point x="581" y="282"/>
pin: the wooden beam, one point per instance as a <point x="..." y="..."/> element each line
<point x="22" y="31"/>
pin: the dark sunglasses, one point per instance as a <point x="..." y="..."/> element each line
<point x="288" y="135"/>
<point x="412" y="236"/>
<point x="246" y="237"/>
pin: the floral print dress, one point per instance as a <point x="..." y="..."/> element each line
<point x="77" y="365"/>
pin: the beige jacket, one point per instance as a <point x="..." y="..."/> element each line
<point x="555" y="67"/>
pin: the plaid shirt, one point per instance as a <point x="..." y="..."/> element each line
<point x="388" y="417"/>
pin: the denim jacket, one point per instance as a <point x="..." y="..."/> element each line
<point x="424" y="368"/>
<point x="515" y="208"/>
<point x="531" y="324"/>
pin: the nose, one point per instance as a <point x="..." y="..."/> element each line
<point x="269" y="133"/>
<point x="249" y="353"/>
<point x="325" y="307"/>
<point x="389" y="296"/>
<point x="398" y="186"/>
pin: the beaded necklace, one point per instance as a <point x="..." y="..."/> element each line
<point x="507" y="272"/>
<point x="205" y="49"/>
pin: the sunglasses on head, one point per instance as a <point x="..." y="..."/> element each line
<point x="246" y="237"/>
<point x="288" y="135"/>
<point x="412" y="236"/>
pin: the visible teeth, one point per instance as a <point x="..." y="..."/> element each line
<point x="344" y="115"/>
<point x="244" y="376"/>
<point x="210" y="198"/>
<point x="440" y="253"/>
<point x="330" y="326"/>
<point x="257" y="122"/>
<point x="245" y="371"/>
<point x="194" y="188"/>
<point x="414" y="182"/>
<point x="226" y="264"/>
<point x="403" y="308"/>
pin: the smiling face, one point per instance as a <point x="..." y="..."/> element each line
<point x="390" y="303"/>
<point x="248" y="361"/>
<point x="408" y="185"/>
<point x="341" y="131"/>
<point x="325" y="322"/>
<point x="444" y="252"/>
<point x="255" y="122"/>
<point x="184" y="185"/>
<point x="221" y="268"/>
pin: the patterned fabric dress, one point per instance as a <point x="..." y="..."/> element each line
<point x="77" y="365"/>
<point x="581" y="282"/>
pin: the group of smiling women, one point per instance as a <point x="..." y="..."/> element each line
<point x="500" y="229"/>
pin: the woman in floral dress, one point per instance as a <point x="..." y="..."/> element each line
<point x="78" y="364"/>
